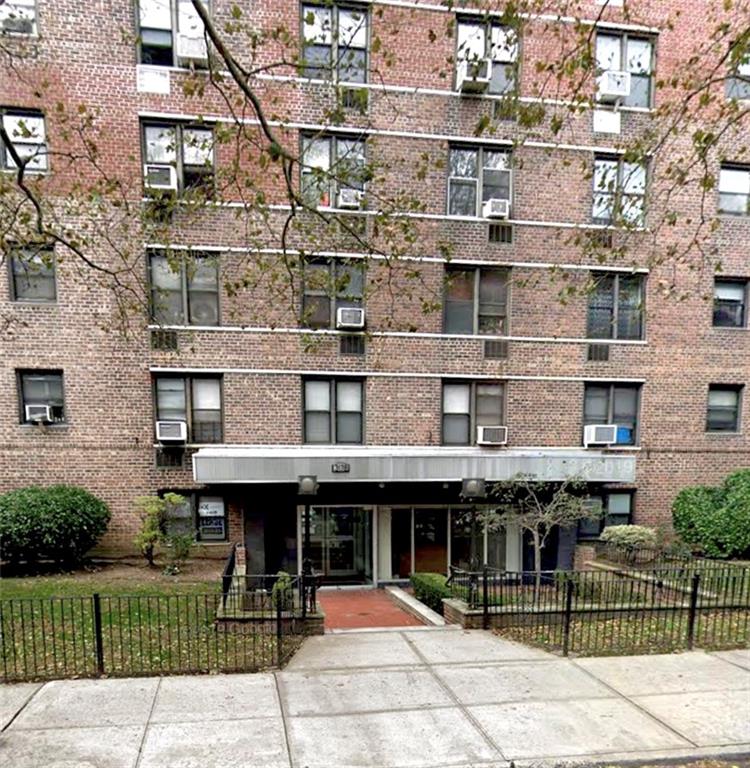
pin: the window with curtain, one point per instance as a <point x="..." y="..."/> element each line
<point x="730" y="303"/>
<point x="476" y="301"/>
<point x="613" y="404"/>
<point x="333" y="411"/>
<point x="723" y="414"/>
<point x="194" y="400"/>
<point x="468" y="405"/>
<point x="42" y="388"/>
<point x="475" y="175"/>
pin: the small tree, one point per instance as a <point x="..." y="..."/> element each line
<point x="537" y="507"/>
<point x="154" y="511"/>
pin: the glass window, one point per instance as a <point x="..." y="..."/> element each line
<point x="730" y="297"/>
<point x="738" y="82"/>
<point x="723" y="408"/>
<point x="615" y="309"/>
<point x="184" y="291"/>
<point x="619" y="192"/>
<point x="734" y="190"/>
<point x="27" y="134"/>
<point x="610" y="509"/>
<point x="333" y="408"/>
<point x="18" y="17"/>
<point x="476" y="301"/>
<point x="477" y="41"/>
<point x="623" y="53"/>
<point x="42" y="388"/>
<point x="33" y="275"/>
<point x="330" y="164"/>
<point x="335" y="40"/>
<point x="613" y="404"/>
<point x="328" y="286"/>
<point x="467" y="405"/>
<point x="475" y="176"/>
<point x="158" y="21"/>
<point x="200" y="398"/>
<point x="188" y="149"/>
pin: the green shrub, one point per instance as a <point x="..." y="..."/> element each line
<point x="629" y="536"/>
<point x="179" y="546"/>
<point x="716" y="520"/>
<point x="281" y="592"/>
<point x="430" y="589"/>
<point x="59" y="523"/>
<point x="154" y="511"/>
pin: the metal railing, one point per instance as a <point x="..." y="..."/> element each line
<point x="657" y="557"/>
<point x="613" y="611"/>
<point x="49" y="638"/>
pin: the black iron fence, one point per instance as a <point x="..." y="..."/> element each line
<point x="47" y="638"/>
<point x="249" y="593"/>
<point x="613" y="610"/>
<point x="658" y="557"/>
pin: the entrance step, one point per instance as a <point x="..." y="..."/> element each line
<point x="363" y="609"/>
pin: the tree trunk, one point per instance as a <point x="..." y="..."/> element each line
<point x="537" y="564"/>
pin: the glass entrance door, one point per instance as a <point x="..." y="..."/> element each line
<point x="341" y="543"/>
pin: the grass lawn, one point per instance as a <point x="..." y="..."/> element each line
<point x="150" y="624"/>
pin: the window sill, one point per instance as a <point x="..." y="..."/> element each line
<point x="35" y="302"/>
<point x="730" y="328"/>
<point x="711" y="433"/>
<point x="45" y="427"/>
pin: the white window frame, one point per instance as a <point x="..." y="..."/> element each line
<point x="478" y="180"/>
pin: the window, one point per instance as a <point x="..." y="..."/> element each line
<point x="613" y="404"/>
<point x="333" y="411"/>
<point x="194" y="400"/>
<point x="334" y="43"/>
<point x="27" y="134"/>
<point x="328" y="286"/>
<point x="468" y="405"/>
<point x="723" y="413"/>
<point x="32" y="275"/>
<point x="477" y="175"/>
<point x="734" y="190"/>
<point x="18" y="17"/>
<point x="738" y="82"/>
<point x="477" y="41"/>
<point x="619" y="191"/>
<point x="158" y="20"/>
<point x="331" y="164"/>
<point x="184" y="291"/>
<point x="623" y="53"/>
<point x="188" y="149"/>
<point x="42" y="388"/>
<point x="730" y="299"/>
<point x="476" y="301"/>
<point x="611" y="509"/>
<point x="616" y="307"/>
<point x="204" y="517"/>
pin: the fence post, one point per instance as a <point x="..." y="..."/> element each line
<point x="278" y="632"/>
<point x="693" y="610"/>
<point x="98" y="639"/>
<point x="485" y="601"/>
<point x="568" y="612"/>
<point x="303" y="594"/>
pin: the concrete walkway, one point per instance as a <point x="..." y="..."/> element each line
<point x="406" y="698"/>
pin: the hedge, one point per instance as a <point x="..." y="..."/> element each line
<point x="716" y="520"/>
<point x="59" y="523"/>
<point x="629" y="536"/>
<point x="430" y="588"/>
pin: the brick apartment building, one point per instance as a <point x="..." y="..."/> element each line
<point x="276" y="397"/>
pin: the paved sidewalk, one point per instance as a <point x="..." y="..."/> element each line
<point x="406" y="698"/>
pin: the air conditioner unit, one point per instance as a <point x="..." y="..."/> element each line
<point x="350" y="198"/>
<point x="171" y="432"/>
<point x="159" y="176"/>
<point x="614" y="86"/>
<point x="474" y="76"/>
<point x="350" y="317"/>
<point x="496" y="208"/>
<point x="17" y="25"/>
<point x="599" y="434"/>
<point x="192" y="48"/>
<point x="39" y="414"/>
<point x="492" y="435"/>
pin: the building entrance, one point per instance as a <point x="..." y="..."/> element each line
<point x="341" y="543"/>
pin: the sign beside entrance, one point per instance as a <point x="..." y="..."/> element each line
<point x="340" y="466"/>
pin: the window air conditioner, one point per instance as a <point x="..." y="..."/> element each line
<point x="474" y="76"/>
<point x="192" y="48"/>
<point x="159" y="176"/>
<point x="350" y="198"/>
<point x="17" y="25"/>
<point x="613" y="86"/>
<point x="39" y="414"/>
<point x="496" y="208"/>
<point x="171" y="432"/>
<point x="350" y="317"/>
<point x="599" y="434"/>
<point x="492" y="435"/>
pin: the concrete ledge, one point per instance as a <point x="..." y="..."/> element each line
<point x="415" y="607"/>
